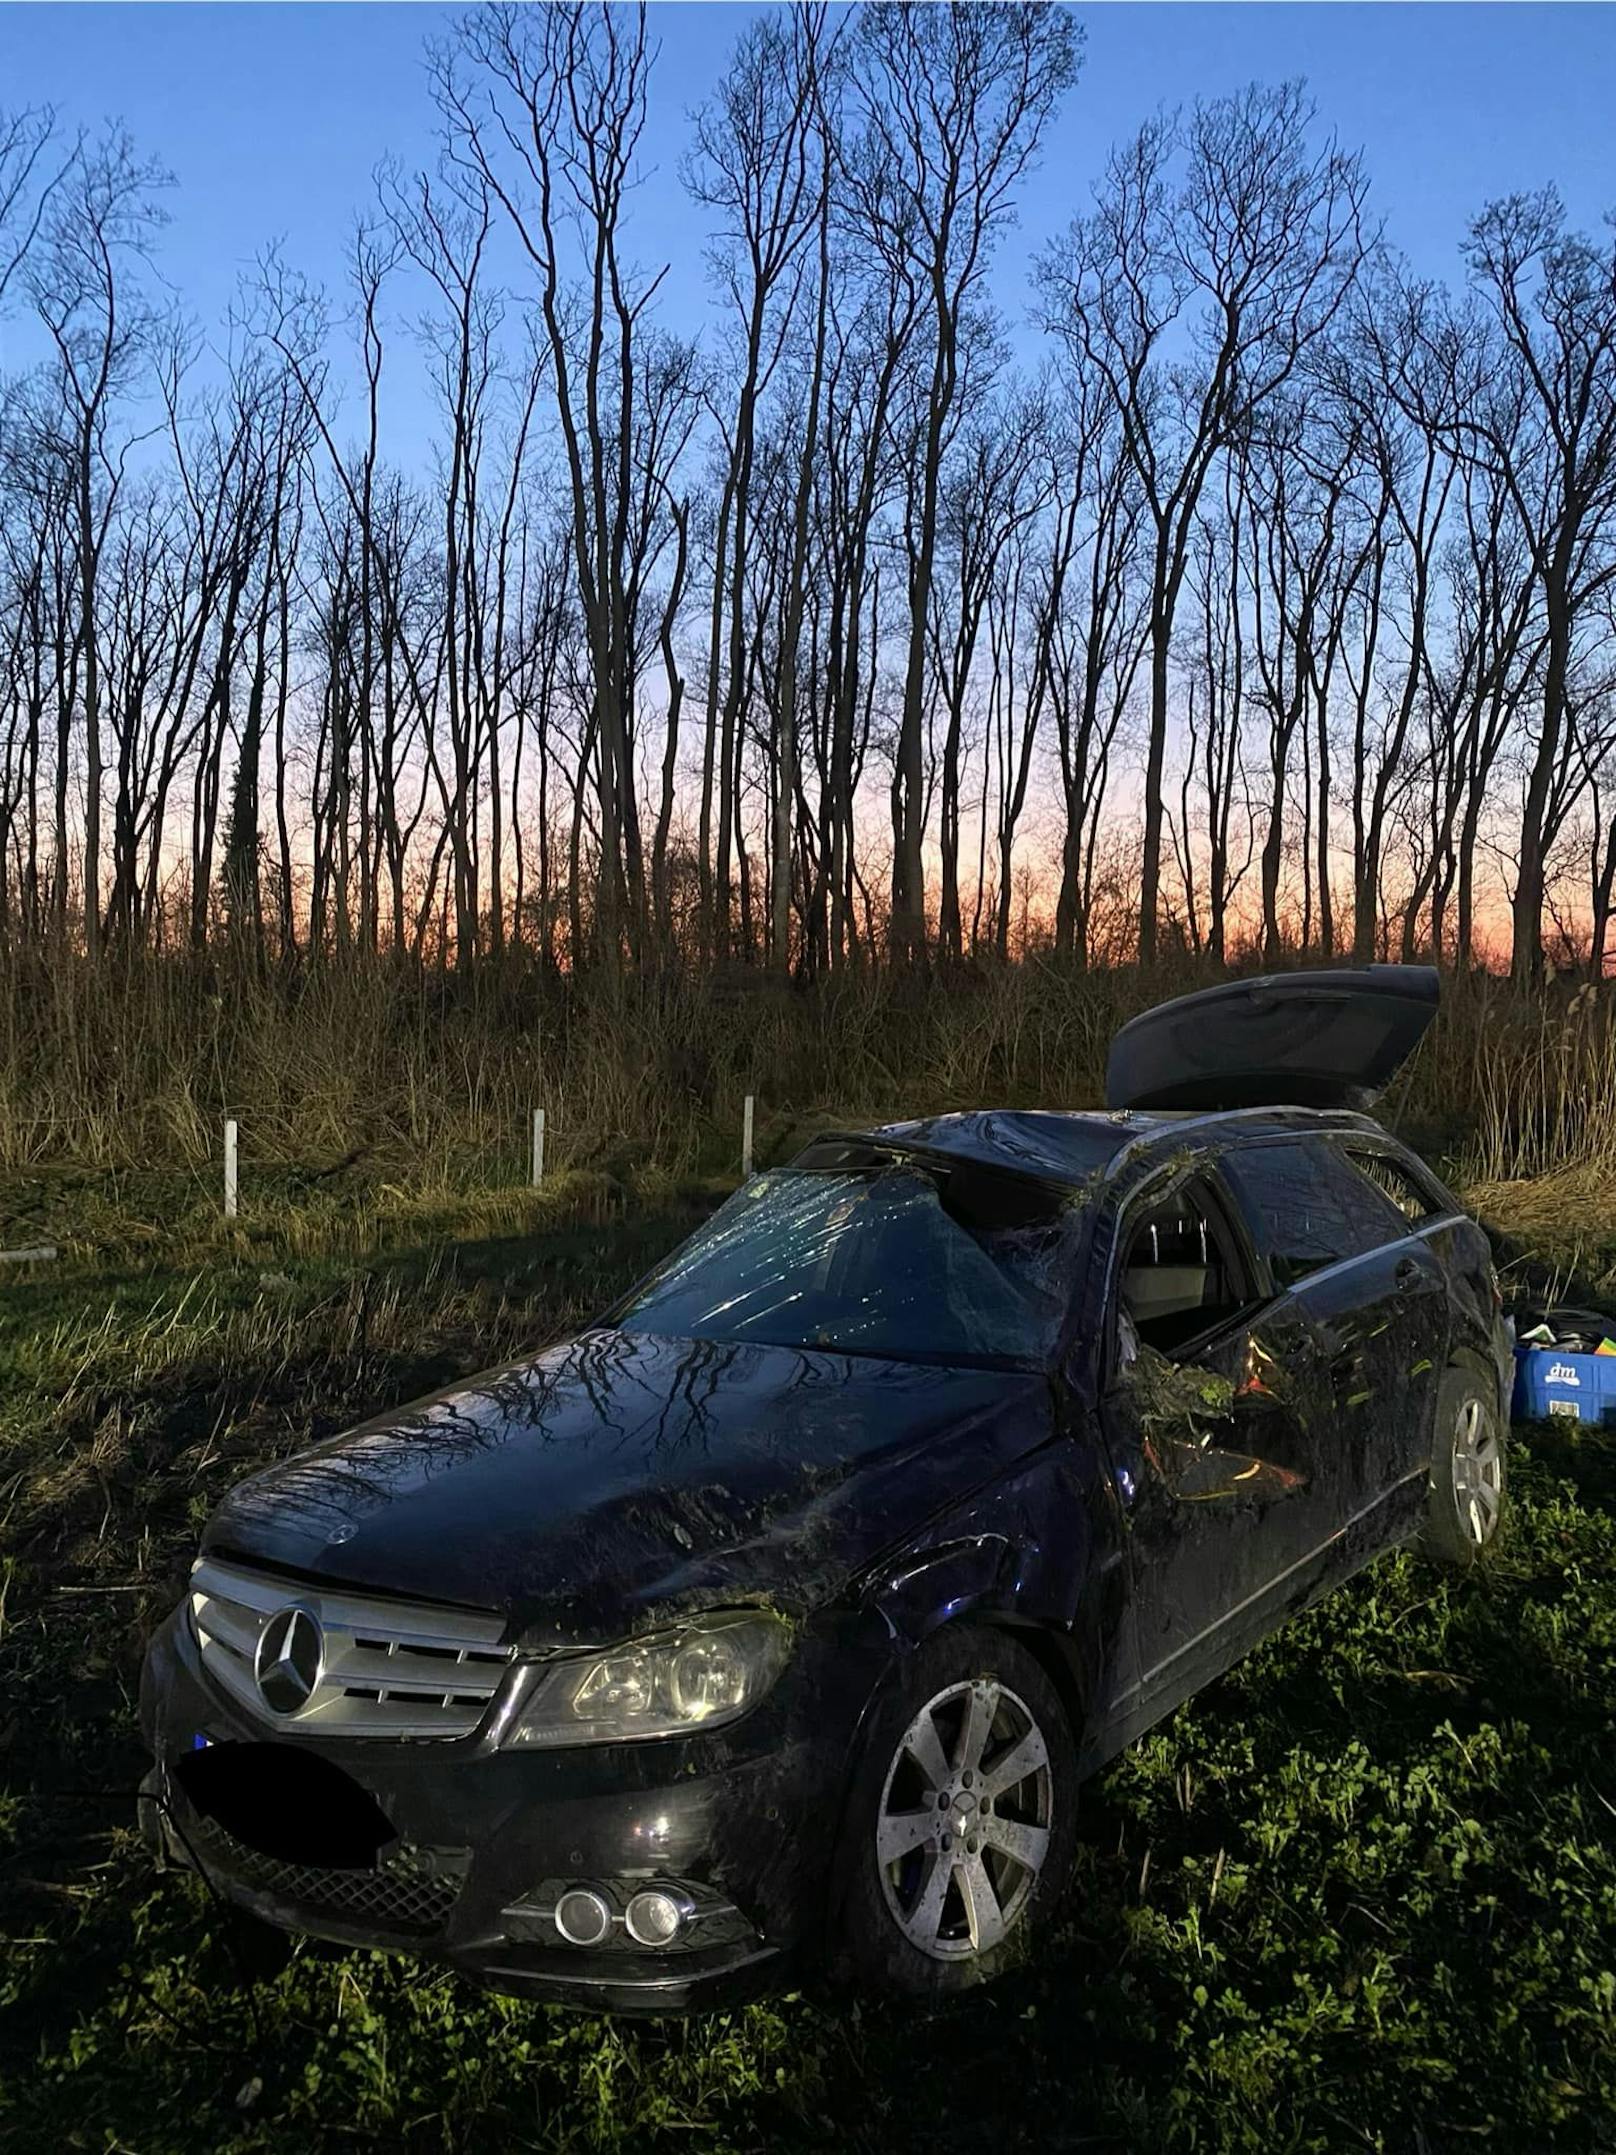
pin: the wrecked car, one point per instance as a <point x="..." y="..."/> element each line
<point x="779" y="1615"/>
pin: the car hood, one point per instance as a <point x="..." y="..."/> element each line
<point x="619" y="1475"/>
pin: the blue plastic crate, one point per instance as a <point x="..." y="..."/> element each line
<point x="1549" y="1380"/>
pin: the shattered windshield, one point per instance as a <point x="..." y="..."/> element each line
<point x="940" y="1264"/>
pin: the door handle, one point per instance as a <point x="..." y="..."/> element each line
<point x="1407" y="1273"/>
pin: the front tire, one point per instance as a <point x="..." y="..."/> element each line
<point x="1466" y="1496"/>
<point x="962" y="1819"/>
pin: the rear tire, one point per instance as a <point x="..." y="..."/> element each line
<point x="961" y="1824"/>
<point x="1465" y="1503"/>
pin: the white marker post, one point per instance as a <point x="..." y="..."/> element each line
<point x="538" y="1146"/>
<point x="746" y="1138"/>
<point x="230" y="1206"/>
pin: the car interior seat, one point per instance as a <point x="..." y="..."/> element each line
<point x="1173" y="1276"/>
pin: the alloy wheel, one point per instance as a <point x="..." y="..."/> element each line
<point x="964" y="1824"/>
<point x="1478" y="1471"/>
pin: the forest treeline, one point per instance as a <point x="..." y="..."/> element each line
<point x="1271" y="600"/>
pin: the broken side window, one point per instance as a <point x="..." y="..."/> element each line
<point x="1200" y="1434"/>
<point x="1181" y="1275"/>
<point x="1397" y="1182"/>
<point x="1194" y="1388"/>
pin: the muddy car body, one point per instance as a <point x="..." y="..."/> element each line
<point x="641" y="1671"/>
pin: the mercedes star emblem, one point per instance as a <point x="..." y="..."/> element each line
<point x="289" y="1661"/>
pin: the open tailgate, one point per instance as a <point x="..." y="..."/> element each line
<point x="1322" y="1039"/>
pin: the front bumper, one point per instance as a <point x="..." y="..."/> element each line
<point x="486" y="1840"/>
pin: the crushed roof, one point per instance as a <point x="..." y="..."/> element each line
<point x="1069" y="1145"/>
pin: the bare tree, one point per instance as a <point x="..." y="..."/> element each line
<point x="762" y="641"/>
<point x="1214" y="764"/>
<point x="951" y="105"/>
<point x="991" y="490"/>
<point x="98" y="224"/>
<point x="1219" y="250"/>
<point x="760" y="164"/>
<point x="546" y="110"/>
<point x="1551" y="294"/>
<point x="31" y="170"/>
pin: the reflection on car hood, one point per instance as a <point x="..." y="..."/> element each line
<point x="616" y="1474"/>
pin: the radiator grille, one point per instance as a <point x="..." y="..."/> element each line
<point x="402" y="1896"/>
<point x="388" y="1668"/>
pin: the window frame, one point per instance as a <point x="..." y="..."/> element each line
<point x="1330" y="1142"/>
<point x="1219" y="1207"/>
<point x="1439" y="1203"/>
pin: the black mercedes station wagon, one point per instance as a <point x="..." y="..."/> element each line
<point x="778" y="1617"/>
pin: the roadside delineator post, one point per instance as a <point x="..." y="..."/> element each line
<point x="538" y="1146"/>
<point x="230" y="1206"/>
<point x="746" y="1138"/>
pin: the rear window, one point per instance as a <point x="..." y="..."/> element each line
<point x="1306" y="1207"/>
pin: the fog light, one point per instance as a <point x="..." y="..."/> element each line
<point x="582" y="1917"/>
<point x="655" y="1919"/>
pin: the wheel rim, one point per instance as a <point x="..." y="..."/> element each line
<point x="963" y="1829"/>
<point x="1478" y="1471"/>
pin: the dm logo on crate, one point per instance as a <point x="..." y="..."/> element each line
<point x="1559" y="1380"/>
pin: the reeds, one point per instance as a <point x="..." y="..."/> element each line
<point x="429" y="1077"/>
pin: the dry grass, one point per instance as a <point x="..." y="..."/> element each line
<point x="1543" y="1091"/>
<point x="1547" y="1209"/>
<point x="1565" y="1219"/>
<point x="417" y="1087"/>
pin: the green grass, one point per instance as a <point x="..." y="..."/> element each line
<point x="1361" y="1894"/>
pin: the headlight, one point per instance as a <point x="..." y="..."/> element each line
<point x="708" y="1671"/>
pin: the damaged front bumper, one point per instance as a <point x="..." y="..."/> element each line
<point x="487" y="1843"/>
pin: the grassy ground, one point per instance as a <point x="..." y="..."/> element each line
<point x="1359" y="1895"/>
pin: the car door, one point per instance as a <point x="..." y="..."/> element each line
<point x="1214" y="1429"/>
<point x="1375" y="1297"/>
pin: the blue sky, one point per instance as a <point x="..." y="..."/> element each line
<point x="273" y="118"/>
